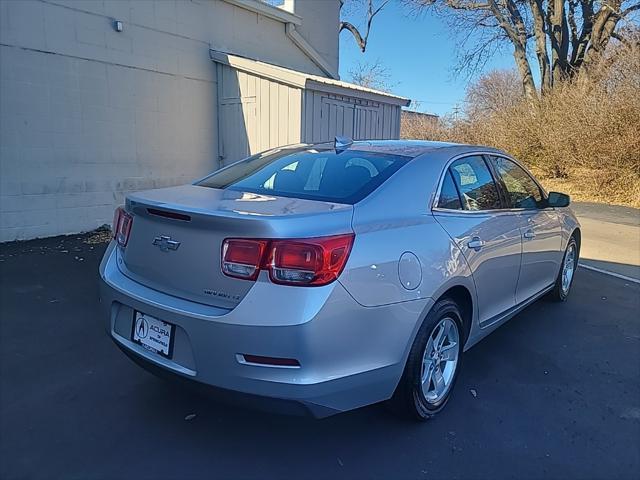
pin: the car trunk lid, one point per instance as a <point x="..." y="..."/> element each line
<point x="177" y="235"/>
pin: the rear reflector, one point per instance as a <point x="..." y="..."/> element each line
<point x="305" y="262"/>
<point x="273" y="361"/>
<point x="121" y="229"/>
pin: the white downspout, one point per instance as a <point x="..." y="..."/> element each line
<point x="303" y="45"/>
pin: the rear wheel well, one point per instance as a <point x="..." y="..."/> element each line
<point x="462" y="297"/>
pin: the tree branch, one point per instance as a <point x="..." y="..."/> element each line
<point x="573" y="26"/>
<point x="630" y="9"/>
<point x="360" y="39"/>
<point x="578" y="51"/>
<point x="540" y="34"/>
<point x="604" y="24"/>
<point x="508" y="28"/>
<point x="356" y="34"/>
<point x="569" y="34"/>
<point x="621" y="39"/>
<point x="462" y="5"/>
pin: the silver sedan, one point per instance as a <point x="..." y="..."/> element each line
<point x="323" y="278"/>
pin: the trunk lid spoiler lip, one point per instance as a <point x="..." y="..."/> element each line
<point x="228" y="203"/>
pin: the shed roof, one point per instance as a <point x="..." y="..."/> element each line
<point x="305" y="80"/>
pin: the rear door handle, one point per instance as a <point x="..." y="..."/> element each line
<point x="475" y="243"/>
<point x="529" y="234"/>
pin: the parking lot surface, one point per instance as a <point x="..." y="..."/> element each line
<point x="554" y="393"/>
<point x="610" y="238"/>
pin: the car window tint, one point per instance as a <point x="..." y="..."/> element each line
<point x="475" y="184"/>
<point x="522" y="190"/>
<point x="449" y="198"/>
<point x="309" y="173"/>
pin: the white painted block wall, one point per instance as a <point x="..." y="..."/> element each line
<point x="88" y="114"/>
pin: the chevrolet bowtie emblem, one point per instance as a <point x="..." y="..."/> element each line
<point x="165" y="243"/>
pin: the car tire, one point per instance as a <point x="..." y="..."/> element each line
<point x="411" y="398"/>
<point x="569" y="265"/>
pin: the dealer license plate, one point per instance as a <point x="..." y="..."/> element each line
<point x="153" y="334"/>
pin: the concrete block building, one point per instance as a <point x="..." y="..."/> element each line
<point x="102" y="97"/>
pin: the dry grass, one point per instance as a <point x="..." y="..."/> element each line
<point x="583" y="138"/>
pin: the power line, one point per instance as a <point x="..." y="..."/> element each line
<point x="434" y="103"/>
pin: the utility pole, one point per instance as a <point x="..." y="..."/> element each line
<point x="456" y="112"/>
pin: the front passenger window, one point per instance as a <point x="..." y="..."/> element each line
<point x="522" y="190"/>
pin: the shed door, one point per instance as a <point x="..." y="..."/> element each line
<point x="359" y="121"/>
<point x="337" y="118"/>
<point x="236" y="114"/>
<point x="236" y="119"/>
<point x="367" y="123"/>
<point x="255" y="114"/>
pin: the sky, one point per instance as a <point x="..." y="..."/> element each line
<point x="419" y="53"/>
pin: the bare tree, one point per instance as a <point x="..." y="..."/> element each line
<point x="372" y="10"/>
<point x="372" y="75"/>
<point x="566" y="35"/>
<point x="493" y="92"/>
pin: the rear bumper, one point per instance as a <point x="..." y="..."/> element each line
<point x="349" y="355"/>
<point x="231" y="397"/>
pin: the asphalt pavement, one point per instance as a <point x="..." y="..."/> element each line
<point x="555" y="393"/>
<point x="610" y="238"/>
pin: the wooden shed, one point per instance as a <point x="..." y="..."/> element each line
<point x="261" y="106"/>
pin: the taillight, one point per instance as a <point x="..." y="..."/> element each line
<point x="122" y="222"/>
<point x="242" y="258"/>
<point x="314" y="261"/>
<point x="309" y="261"/>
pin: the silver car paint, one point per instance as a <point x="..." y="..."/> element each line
<point x="350" y="357"/>
<point x="352" y="337"/>
<point x="193" y="271"/>
<point x="541" y="252"/>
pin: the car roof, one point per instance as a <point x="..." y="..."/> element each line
<point x="409" y="148"/>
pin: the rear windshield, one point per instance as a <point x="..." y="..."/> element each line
<point x="340" y="176"/>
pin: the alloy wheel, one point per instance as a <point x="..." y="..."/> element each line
<point x="568" y="268"/>
<point x="440" y="360"/>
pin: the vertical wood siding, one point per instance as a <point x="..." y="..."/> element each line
<point x="257" y="113"/>
<point x="326" y="115"/>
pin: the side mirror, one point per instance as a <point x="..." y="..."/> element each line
<point x="558" y="200"/>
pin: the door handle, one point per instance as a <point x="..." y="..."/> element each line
<point x="475" y="243"/>
<point x="529" y="234"/>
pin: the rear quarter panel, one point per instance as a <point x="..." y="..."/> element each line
<point x="397" y="219"/>
<point x="372" y="275"/>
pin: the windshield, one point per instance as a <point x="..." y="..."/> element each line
<point x="340" y="176"/>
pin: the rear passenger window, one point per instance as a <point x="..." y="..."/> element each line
<point x="477" y="189"/>
<point x="449" y="198"/>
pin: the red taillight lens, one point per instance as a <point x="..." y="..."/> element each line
<point x="309" y="261"/>
<point x="313" y="261"/>
<point x="242" y="258"/>
<point x="122" y="222"/>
